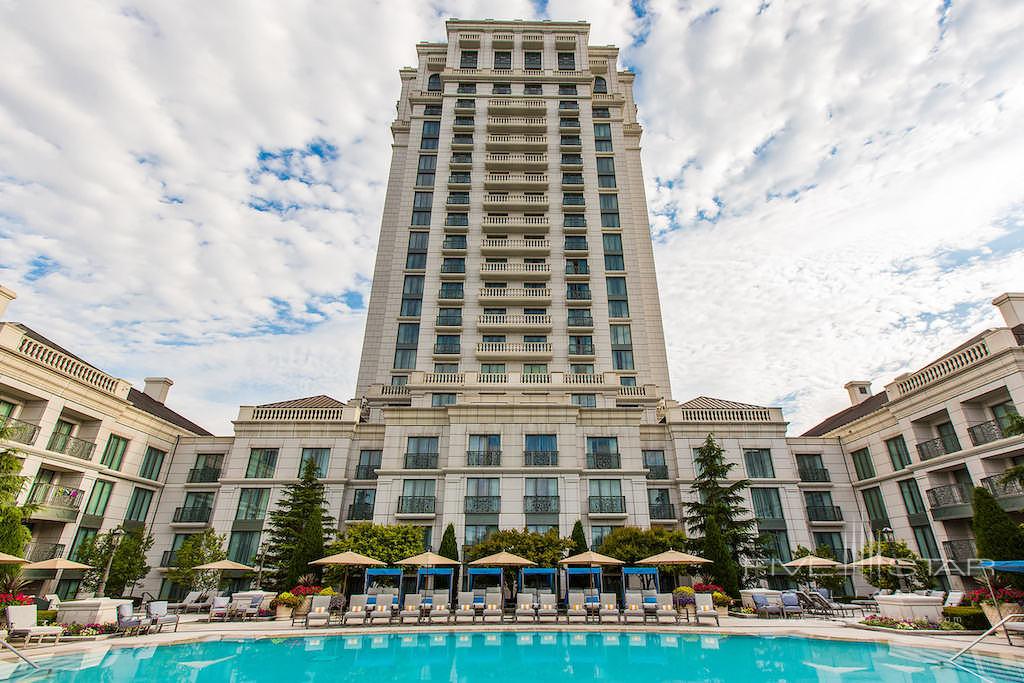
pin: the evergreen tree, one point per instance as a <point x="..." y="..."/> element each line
<point x="719" y="503"/>
<point x="997" y="536"/>
<point x="14" y="535"/>
<point x="579" y="539"/>
<point x="1013" y="425"/>
<point x="299" y="530"/>
<point x="449" y="545"/>
<point x="201" y="548"/>
<point x="723" y="569"/>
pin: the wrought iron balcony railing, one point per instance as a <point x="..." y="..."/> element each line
<point x="199" y="475"/>
<point x="1001" y="489"/>
<point x="662" y="510"/>
<point x="607" y="504"/>
<point x="483" y="458"/>
<point x="417" y="505"/>
<point x="366" y="471"/>
<point x="70" y="445"/>
<point x="38" y="551"/>
<point x="603" y="461"/>
<point x="197" y="515"/>
<point x="986" y="432"/>
<point x="20" y="431"/>
<point x="948" y="496"/>
<point x="541" y="504"/>
<point x="960" y="549"/>
<point x="421" y="461"/>
<point x="540" y="458"/>
<point x="483" y="504"/>
<point x="56" y="495"/>
<point x="824" y="513"/>
<point x="360" y="511"/>
<point x="657" y="471"/>
<point x="933" y="448"/>
<point x="814" y="474"/>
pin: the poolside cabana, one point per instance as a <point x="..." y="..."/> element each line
<point x="582" y="578"/>
<point x="383" y="577"/>
<point x="646" y="576"/>
<point x="541" y="578"/>
<point x="483" y="577"/>
<point x="347" y="559"/>
<point x="591" y="561"/>
<point x="431" y="576"/>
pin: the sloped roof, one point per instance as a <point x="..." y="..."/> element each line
<point x="138" y="399"/>
<point x="845" y="417"/>
<point x="319" y="401"/>
<point x="709" y="403"/>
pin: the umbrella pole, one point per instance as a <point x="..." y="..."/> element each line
<point x="995" y="602"/>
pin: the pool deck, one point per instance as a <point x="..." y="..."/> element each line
<point x="196" y="628"/>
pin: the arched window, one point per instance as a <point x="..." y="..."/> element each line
<point x="434" y="83"/>
<point x="600" y="85"/>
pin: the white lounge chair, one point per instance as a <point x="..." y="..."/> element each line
<point x="440" y="609"/>
<point x="219" y="608"/>
<point x="547" y="607"/>
<point x="666" y="612"/>
<point x="319" y="611"/>
<point x="525" y="610"/>
<point x="633" y="608"/>
<point x="953" y="599"/>
<point x="411" y="610"/>
<point x="609" y="612"/>
<point x="158" y="615"/>
<point x="356" y="611"/>
<point x="493" y="609"/>
<point x="21" y="621"/>
<point x="704" y="606"/>
<point x="382" y="612"/>
<point x="190" y="599"/>
<point x="575" y="610"/>
<point x="465" y="612"/>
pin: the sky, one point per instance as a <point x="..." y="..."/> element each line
<point x="194" y="189"/>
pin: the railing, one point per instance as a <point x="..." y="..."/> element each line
<point x="538" y="159"/>
<point x="581" y="349"/>
<point x="580" y="321"/>
<point x="483" y="504"/>
<point x="265" y="414"/>
<point x="576" y="245"/>
<point x="450" y="294"/>
<point x="513" y="347"/>
<point x="492" y="378"/>
<point x="457" y="200"/>
<point x="517" y="139"/>
<point x="960" y="550"/>
<point x="603" y="461"/>
<point x="936" y="447"/>
<point x="450" y="243"/>
<point x="394" y="390"/>
<point x="22" y="432"/>
<point x="572" y="160"/>
<point x="192" y="514"/>
<point x="727" y="415"/>
<point x="483" y="458"/>
<point x="515" y="268"/>
<point x="38" y="551"/>
<point x="421" y="461"/>
<point x="535" y="378"/>
<point x="516" y="121"/>
<point x="203" y="475"/>
<point x="577" y="269"/>
<point x="444" y="378"/>
<point x="360" y="511"/>
<point x="986" y="432"/>
<point x="70" y="445"/>
<point x="417" y="505"/>
<point x="578" y="295"/>
<point x="607" y="504"/>
<point x="662" y="510"/>
<point x="515" y="292"/>
<point x="445" y="348"/>
<point x="540" y="504"/>
<point x="814" y="474"/>
<point x="1001" y="489"/>
<point x="541" y="244"/>
<point x="169" y="558"/>
<point x="66" y="365"/>
<point x="632" y="392"/>
<point x="983" y="636"/>
<point x="516" y="103"/>
<point x="540" y="458"/>
<point x="947" y="496"/>
<point x="55" y="495"/>
<point x="824" y="513"/>
<point x="583" y="378"/>
<point x="453" y="267"/>
<point x="514" y="319"/>
<point x="516" y="178"/>
<point x="943" y="368"/>
<point x="445" y="320"/>
<point x="366" y="471"/>
<point x="657" y="471"/>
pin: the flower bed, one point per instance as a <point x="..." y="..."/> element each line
<point x="878" y="621"/>
<point x="14" y="600"/>
<point x="88" y="630"/>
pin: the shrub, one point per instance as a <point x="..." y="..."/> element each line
<point x="707" y="588"/>
<point x="683" y="595"/>
<point x="13" y="600"/>
<point x="88" y="629"/>
<point x="911" y="624"/>
<point x="45" y="616"/>
<point x="721" y="599"/>
<point x="972" y="618"/>
<point x="287" y="599"/>
<point x="982" y="596"/>
<point x="303" y="591"/>
<point x="327" y="591"/>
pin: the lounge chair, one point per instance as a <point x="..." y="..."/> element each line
<point x="809" y="605"/>
<point x="575" y="609"/>
<point x="204" y="602"/>
<point x="666" y="612"/>
<point x="704" y="606"/>
<point x="21" y="621"/>
<point x="411" y="612"/>
<point x="953" y="599"/>
<point x="525" y="611"/>
<point x="821" y="596"/>
<point x="128" y="621"/>
<point x="608" y="613"/>
<point x="547" y="607"/>
<point x="465" y="612"/>
<point x="190" y="599"/>
<point x="382" y="613"/>
<point x="632" y="608"/>
<point x="764" y="607"/>
<point x="592" y="601"/>
<point x="649" y="600"/>
<point x="493" y="609"/>
<point x="1015" y="628"/>
<point x="791" y="605"/>
<point x="356" y="611"/>
<point x="219" y="608"/>
<point x="158" y="616"/>
<point x="319" y="613"/>
<point x="440" y="608"/>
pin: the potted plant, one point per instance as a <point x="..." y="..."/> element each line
<point x="305" y="594"/>
<point x="1006" y="602"/>
<point x="12" y="600"/>
<point x="285" y="604"/>
<point x="682" y="598"/>
<point x="722" y="603"/>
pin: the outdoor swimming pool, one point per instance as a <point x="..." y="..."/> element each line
<point x="537" y="657"/>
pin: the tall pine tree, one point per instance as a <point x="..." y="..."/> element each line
<point x="300" y="528"/>
<point x="14" y="535"/>
<point x="579" y="539"/>
<point x="449" y="544"/>
<point x="719" y="504"/>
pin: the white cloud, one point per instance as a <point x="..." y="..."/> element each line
<point x="129" y="159"/>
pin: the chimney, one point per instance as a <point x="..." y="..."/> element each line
<point x="1010" y="304"/>
<point x="858" y="391"/>
<point x="6" y="297"/>
<point x="157" y="387"/>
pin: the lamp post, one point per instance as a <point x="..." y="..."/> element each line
<point x="115" y="540"/>
<point x="261" y="555"/>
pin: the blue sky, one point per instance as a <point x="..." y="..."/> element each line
<point x="195" y="189"/>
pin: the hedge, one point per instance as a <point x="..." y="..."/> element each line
<point x="972" y="618"/>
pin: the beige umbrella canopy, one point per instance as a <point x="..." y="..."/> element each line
<point x="11" y="559"/>
<point x="58" y="564"/>
<point x="670" y="557"/>
<point x="881" y="561"/>
<point x="590" y="558"/>
<point x="812" y="562"/>
<point x="502" y="559"/>
<point x="428" y="559"/>
<point x="348" y="559"/>
<point x="225" y="565"/>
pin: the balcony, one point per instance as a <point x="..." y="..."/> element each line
<point x="459" y="181"/>
<point x="952" y="501"/>
<point x="416" y="505"/>
<point x="662" y="511"/>
<point x="574" y="244"/>
<point x="518" y="271"/>
<point x="421" y="461"/>
<point x="514" y="321"/>
<point x="607" y="505"/>
<point x="55" y="503"/>
<point x="465" y="106"/>
<point x="530" y="295"/>
<point x="37" y="551"/>
<point x="517" y="143"/>
<point x="1010" y="494"/>
<point x="814" y="474"/>
<point x="514" y="247"/>
<point x="483" y="504"/>
<point x="540" y="458"/>
<point x="447" y="349"/>
<point x="986" y="432"/>
<point x="933" y="448"/>
<point x="450" y="294"/>
<point x="582" y="349"/>
<point x="513" y="161"/>
<point x="960" y="550"/>
<point x="504" y="201"/>
<point x="456" y="268"/>
<point x="448" y="320"/>
<point x="571" y="162"/>
<point x="203" y="475"/>
<point x="527" y="224"/>
<point x="69" y="445"/>
<point x="20" y="431"/>
<point x="360" y="511"/>
<point x="540" y="504"/>
<point x="483" y="458"/>
<point x="528" y="350"/>
<point x="580" y="321"/>
<point x="508" y="181"/>
<point x="578" y="294"/>
<point x="366" y="472"/>
<point x="192" y="515"/>
<point x="603" y="461"/>
<point x="461" y="160"/>
<point x="657" y="471"/>
<point x="454" y="243"/>
<point x="519" y="124"/>
<point x="516" y="105"/>
<point x="169" y="558"/>
<point x="824" y="513"/>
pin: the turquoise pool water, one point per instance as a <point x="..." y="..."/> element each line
<point x="526" y="657"/>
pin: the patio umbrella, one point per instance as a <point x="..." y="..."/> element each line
<point x="812" y="562"/>
<point x="670" y="557"/>
<point x="11" y="559"/>
<point x="347" y="559"/>
<point x="881" y="562"/>
<point x="225" y="565"/>
<point x="502" y="559"/>
<point x="56" y="564"/>
<point x="429" y="559"/>
<point x="590" y="558"/>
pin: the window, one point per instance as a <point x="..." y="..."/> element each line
<point x="458" y="220"/>
<point x="492" y="368"/>
<point x="613" y="252"/>
<point x="533" y="89"/>
<point x="138" y="505"/>
<point x="502" y="60"/>
<point x="197" y="502"/>
<point x="151" y="463"/>
<point x="584" y="400"/>
<point x="777" y="544"/>
<point x="113" y="454"/>
<point x="898" y="452"/>
<point x="600" y="85"/>
<point x="422" y="202"/>
<point x="468" y="59"/>
<point x="544" y="443"/>
<point x="574" y="220"/>
<point x="476" y="533"/>
<point x="81" y="536"/>
<point x="417" y="253"/>
<point x="627" y="381"/>
<point x="446" y="368"/>
<point x="405" y="359"/>
<point x="434" y="83"/>
<point x="98" y="498"/>
<point x="320" y="456"/>
<point x="6" y="410"/>
<point x="466" y="89"/>
<point x="601" y="113"/>
<point x="425" y="171"/>
<point x="598" y="534"/>
<point x="573" y="199"/>
<point x="912" y="497"/>
<point x="422" y="444"/>
<point x="1002" y="412"/>
<point x="432" y="109"/>
<point x="618" y="309"/>
<point x="654" y="462"/>
<point x="431" y="134"/>
<point x="502" y="89"/>
<point x="412" y="296"/>
<point x="532" y="61"/>
<point x="926" y="544"/>
<point x="408" y="335"/>
<point x="947" y="433"/>
<point x="622" y="360"/>
<point x="458" y="198"/>
<point x="243" y="546"/>
<point x="252" y="504"/>
<point x="875" y="506"/>
<point x="603" y="137"/>
<point x="262" y="462"/>
<point x="605" y="172"/>
<point x="441" y="400"/>
<point x="862" y="463"/>
<point x="567" y="62"/>
<point x="759" y="463"/>
<point x="451" y="290"/>
<point x="767" y="504"/>
<point x="581" y="368"/>
<point x="834" y="541"/>
<point x="369" y="463"/>
<point x="535" y="368"/>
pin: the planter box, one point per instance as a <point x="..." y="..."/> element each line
<point x="283" y="613"/>
<point x="996" y="613"/>
<point x="882" y="629"/>
<point x="741" y="615"/>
